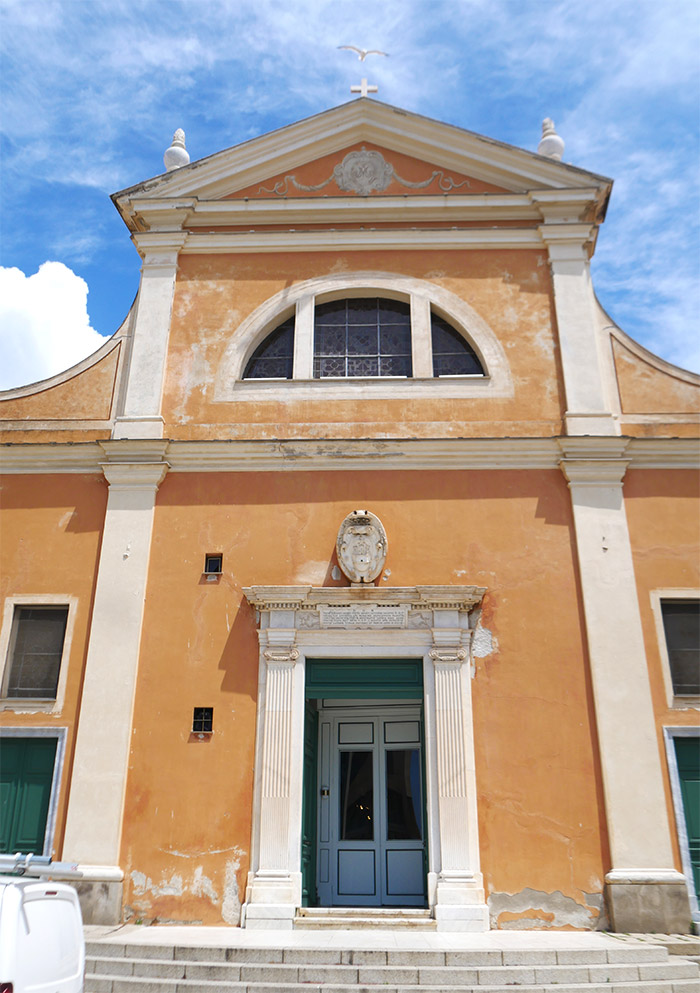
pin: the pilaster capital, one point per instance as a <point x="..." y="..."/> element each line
<point x="454" y="655"/>
<point x="567" y="243"/>
<point x="134" y="475"/>
<point x="281" y="656"/>
<point x="159" y="250"/>
<point x="594" y="472"/>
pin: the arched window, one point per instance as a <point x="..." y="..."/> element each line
<point x="274" y="357"/>
<point x="365" y="337"/>
<point x="452" y="355"/>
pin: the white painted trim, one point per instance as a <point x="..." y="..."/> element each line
<point x="26" y="705"/>
<point x="656" y="597"/>
<point x="229" y="383"/>
<point x="60" y="735"/>
<point x="669" y="734"/>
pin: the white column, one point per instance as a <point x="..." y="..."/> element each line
<point x="421" y="337"/>
<point x="141" y="416"/>
<point x="645" y="893"/>
<point x="304" y="339"/>
<point x="274" y="887"/>
<point x="460" y="901"/>
<point x="588" y="410"/>
<point x="100" y="765"/>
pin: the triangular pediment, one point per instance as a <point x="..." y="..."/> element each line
<point x="414" y="146"/>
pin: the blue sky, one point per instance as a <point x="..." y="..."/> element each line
<point x="93" y="91"/>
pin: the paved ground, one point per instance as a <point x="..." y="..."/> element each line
<point x="375" y="938"/>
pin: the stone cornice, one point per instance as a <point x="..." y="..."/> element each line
<point x="169" y="215"/>
<point x="356" y="239"/>
<point x="413" y="597"/>
<point x="339" y="455"/>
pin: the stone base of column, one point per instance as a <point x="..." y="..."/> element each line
<point x="460" y="903"/>
<point x="100" y="893"/>
<point x="272" y="899"/>
<point x="647" y="900"/>
<point x="138" y="427"/>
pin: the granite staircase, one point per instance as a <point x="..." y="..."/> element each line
<point x="115" y="966"/>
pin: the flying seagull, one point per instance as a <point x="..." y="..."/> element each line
<point x="362" y="53"/>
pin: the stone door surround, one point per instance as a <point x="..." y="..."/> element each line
<point x="434" y="623"/>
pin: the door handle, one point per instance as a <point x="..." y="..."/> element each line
<point x="325" y="791"/>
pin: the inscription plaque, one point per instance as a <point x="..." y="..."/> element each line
<point x="363" y="617"/>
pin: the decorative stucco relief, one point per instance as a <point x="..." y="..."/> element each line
<point x="365" y="172"/>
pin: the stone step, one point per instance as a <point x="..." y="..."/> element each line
<point x="108" y="984"/>
<point x="358" y="923"/>
<point x="391" y="912"/>
<point x="114" y="975"/>
<point x="624" y="953"/>
<point x="371" y="918"/>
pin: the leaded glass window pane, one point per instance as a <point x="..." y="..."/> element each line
<point x="274" y="357"/>
<point x="452" y="354"/>
<point x="362" y="337"/>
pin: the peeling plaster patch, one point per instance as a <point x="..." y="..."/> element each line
<point x="203" y="886"/>
<point x="483" y="643"/>
<point x="335" y="573"/>
<point x="231" y="906"/>
<point x="536" y="909"/>
<point x="169" y="887"/>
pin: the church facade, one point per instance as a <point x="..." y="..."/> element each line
<point x="359" y="568"/>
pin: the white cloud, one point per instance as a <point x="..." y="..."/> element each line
<point x="44" y="323"/>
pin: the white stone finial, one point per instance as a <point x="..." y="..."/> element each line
<point x="177" y="155"/>
<point x="550" y="144"/>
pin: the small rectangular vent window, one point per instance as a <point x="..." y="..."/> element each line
<point x="213" y="564"/>
<point x="203" y="720"/>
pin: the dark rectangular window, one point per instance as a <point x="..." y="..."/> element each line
<point x="213" y="563"/>
<point x="682" y="630"/>
<point x="36" y="647"/>
<point x="203" y="720"/>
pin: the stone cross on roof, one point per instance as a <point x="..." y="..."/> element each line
<point x="363" y="89"/>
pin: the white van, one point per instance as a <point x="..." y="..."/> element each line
<point x="42" y="948"/>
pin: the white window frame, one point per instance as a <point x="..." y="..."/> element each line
<point x="675" y="701"/>
<point x="60" y="735"/>
<point x="300" y="301"/>
<point x="28" y="704"/>
<point x="670" y="734"/>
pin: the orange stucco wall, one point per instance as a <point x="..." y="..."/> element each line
<point x="663" y="513"/>
<point x="511" y="291"/>
<point x="86" y="396"/>
<point x="50" y="535"/>
<point x="645" y="389"/>
<point x="187" y="829"/>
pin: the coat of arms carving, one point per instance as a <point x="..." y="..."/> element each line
<point x="361" y="546"/>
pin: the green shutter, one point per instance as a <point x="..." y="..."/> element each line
<point x="371" y="679"/>
<point x="26" y="774"/>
